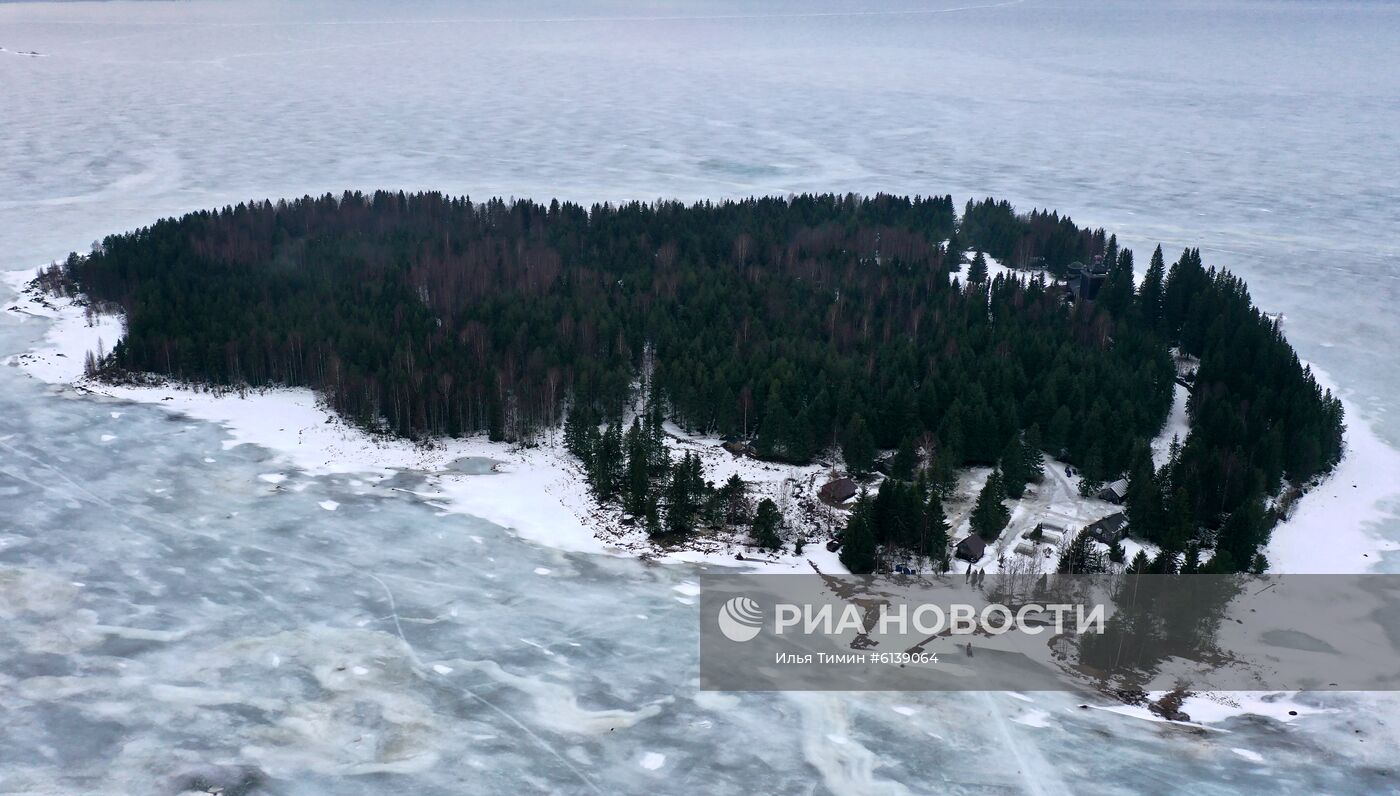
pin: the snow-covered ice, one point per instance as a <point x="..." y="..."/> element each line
<point x="286" y="667"/>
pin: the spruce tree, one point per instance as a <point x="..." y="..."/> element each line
<point x="1014" y="468"/>
<point x="636" y="492"/>
<point x="1244" y="530"/>
<point x="1144" y="503"/>
<point x="684" y="494"/>
<point x="1082" y="557"/>
<point x="1140" y="564"/>
<point x="933" y="537"/>
<point x="858" y="551"/>
<point x="766" y="521"/>
<point x="775" y="434"/>
<point x="989" y="516"/>
<point x="1033" y="456"/>
<point x="953" y="255"/>
<point x="1150" y="293"/>
<point x="906" y="459"/>
<point x="1116" y="296"/>
<point x="577" y="427"/>
<point x="1091" y="475"/>
<point x="734" y="502"/>
<point x="977" y="274"/>
<point x="608" y="463"/>
<point x="858" y="447"/>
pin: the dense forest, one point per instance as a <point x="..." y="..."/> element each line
<point x="800" y="325"/>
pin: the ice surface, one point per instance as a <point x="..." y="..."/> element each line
<point x="168" y="621"/>
<point x="225" y="632"/>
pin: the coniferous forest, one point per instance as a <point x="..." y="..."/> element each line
<point x="795" y="324"/>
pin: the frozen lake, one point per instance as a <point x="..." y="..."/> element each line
<point x="168" y="621"/>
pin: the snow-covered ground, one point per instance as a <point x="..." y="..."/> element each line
<point x="538" y="492"/>
<point x="1331" y="529"/>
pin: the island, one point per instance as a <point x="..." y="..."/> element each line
<point x="909" y="372"/>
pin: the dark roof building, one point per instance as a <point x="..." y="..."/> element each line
<point x="837" y="490"/>
<point x="1110" y="529"/>
<point x="1114" y="492"/>
<point x="971" y="549"/>
<point x="737" y="447"/>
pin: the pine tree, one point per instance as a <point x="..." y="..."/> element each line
<point x="989" y="516"/>
<point x="858" y="446"/>
<point x="766" y="522"/>
<point x="684" y="494"/>
<point x="1014" y="468"/>
<point x="1091" y="475"/>
<point x="1191" y="561"/>
<point x="1150" y="293"/>
<point x="1033" y="456"/>
<point x="1144" y="504"/>
<point x="977" y="274"/>
<point x="655" y="412"/>
<point x="906" y="459"/>
<point x="636" y="490"/>
<point x="734" y="502"/>
<point x="1140" y="564"/>
<point x="1116" y="296"/>
<point x="608" y="463"/>
<point x="775" y="435"/>
<point x="1082" y="557"/>
<point x="953" y="255"/>
<point x="1244" y="530"/>
<point x="933" y="536"/>
<point x="1180" y="521"/>
<point x="579" y="430"/>
<point x="858" y="552"/>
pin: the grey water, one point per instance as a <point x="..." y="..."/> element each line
<point x="168" y="623"/>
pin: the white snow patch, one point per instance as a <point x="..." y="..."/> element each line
<point x="441" y="669"/>
<point x="651" y="761"/>
<point x="273" y="478"/>
<point x="542" y="570"/>
<point x="329" y="505"/>
<point x="1332" y="528"/>
<point x="1176" y="427"/>
<point x="1247" y="754"/>
<point x="1033" y="718"/>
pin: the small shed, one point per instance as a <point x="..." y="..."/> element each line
<point x="837" y="490"/>
<point x="737" y="447"/>
<point x="971" y="549"/>
<point x="1110" y="529"/>
<point x="1114" y="492"/>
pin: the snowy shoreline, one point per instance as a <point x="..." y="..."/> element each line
<point x="540" y="494"/>
<point x="537" y="493"/>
